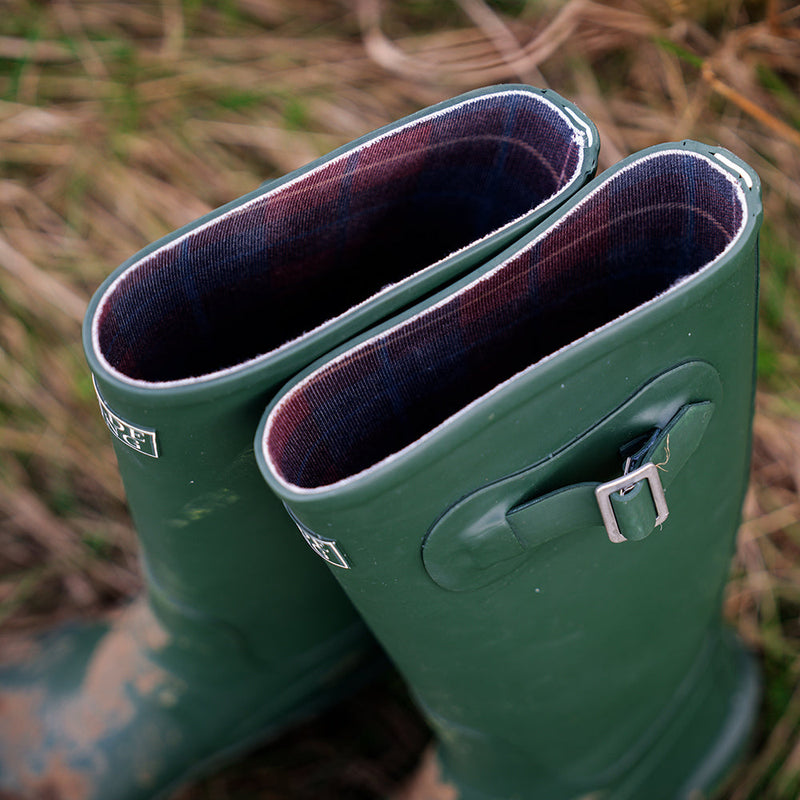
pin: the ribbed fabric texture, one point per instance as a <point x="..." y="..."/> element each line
<point x="640" y="232"/>
<point x="298" y="256"/>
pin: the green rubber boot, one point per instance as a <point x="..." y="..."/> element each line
<point x="530" y="485"/>
<point x="242" y="630"/>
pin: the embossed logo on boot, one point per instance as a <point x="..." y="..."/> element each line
<point x="142" y="440"/>
<point x="325" y="548"/>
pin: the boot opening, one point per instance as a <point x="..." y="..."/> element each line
<point x="641" y="231"/>
<point x="296" y="257"/>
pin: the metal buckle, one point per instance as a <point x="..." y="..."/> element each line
<point x="623" y="484"/>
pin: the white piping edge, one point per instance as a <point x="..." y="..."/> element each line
<point x="580" y="139"/>
<point x="748" y="181"/>
<point x="304" y="491"/>
<point x="583" y="124"/>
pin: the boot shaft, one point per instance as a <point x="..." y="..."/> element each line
<point x="428" y="462"/>
<point x="189" y="339"/>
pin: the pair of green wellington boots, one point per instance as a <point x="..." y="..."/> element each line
<point x="516" y="428"/>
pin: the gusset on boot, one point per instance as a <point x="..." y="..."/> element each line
<point x="530" y="485"/>
<point x="242" y="630"/>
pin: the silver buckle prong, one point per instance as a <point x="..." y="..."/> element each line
<point x="603" y="492"/>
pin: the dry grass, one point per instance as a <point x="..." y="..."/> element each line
<point x="120" y="121"/>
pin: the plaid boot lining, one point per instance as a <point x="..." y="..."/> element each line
<point x="640" y="232"/>
<point x="302" y="254"/>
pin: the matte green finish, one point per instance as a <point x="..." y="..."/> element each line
<point x="243" y="630"/>
<point x="589" y="668"/>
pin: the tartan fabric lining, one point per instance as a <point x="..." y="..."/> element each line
<point x="641" y="231"/>
<point x="267" y="272"/>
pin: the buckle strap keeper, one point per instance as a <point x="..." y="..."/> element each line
<point x="626" y="483"/>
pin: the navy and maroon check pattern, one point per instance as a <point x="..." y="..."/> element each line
<point x="644" y="229"/>
<point x="300" y="255"/>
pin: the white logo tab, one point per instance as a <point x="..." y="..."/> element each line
<point x="143" y="440"/>
<point x="325" y="548"/>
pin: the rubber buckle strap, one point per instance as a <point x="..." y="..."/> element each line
<point x="492" y="531"/>
<point x="630" y="507"/>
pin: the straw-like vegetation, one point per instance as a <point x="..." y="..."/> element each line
<point x="120" y="121"/>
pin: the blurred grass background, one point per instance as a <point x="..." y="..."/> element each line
<point x="120" y="121"/>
